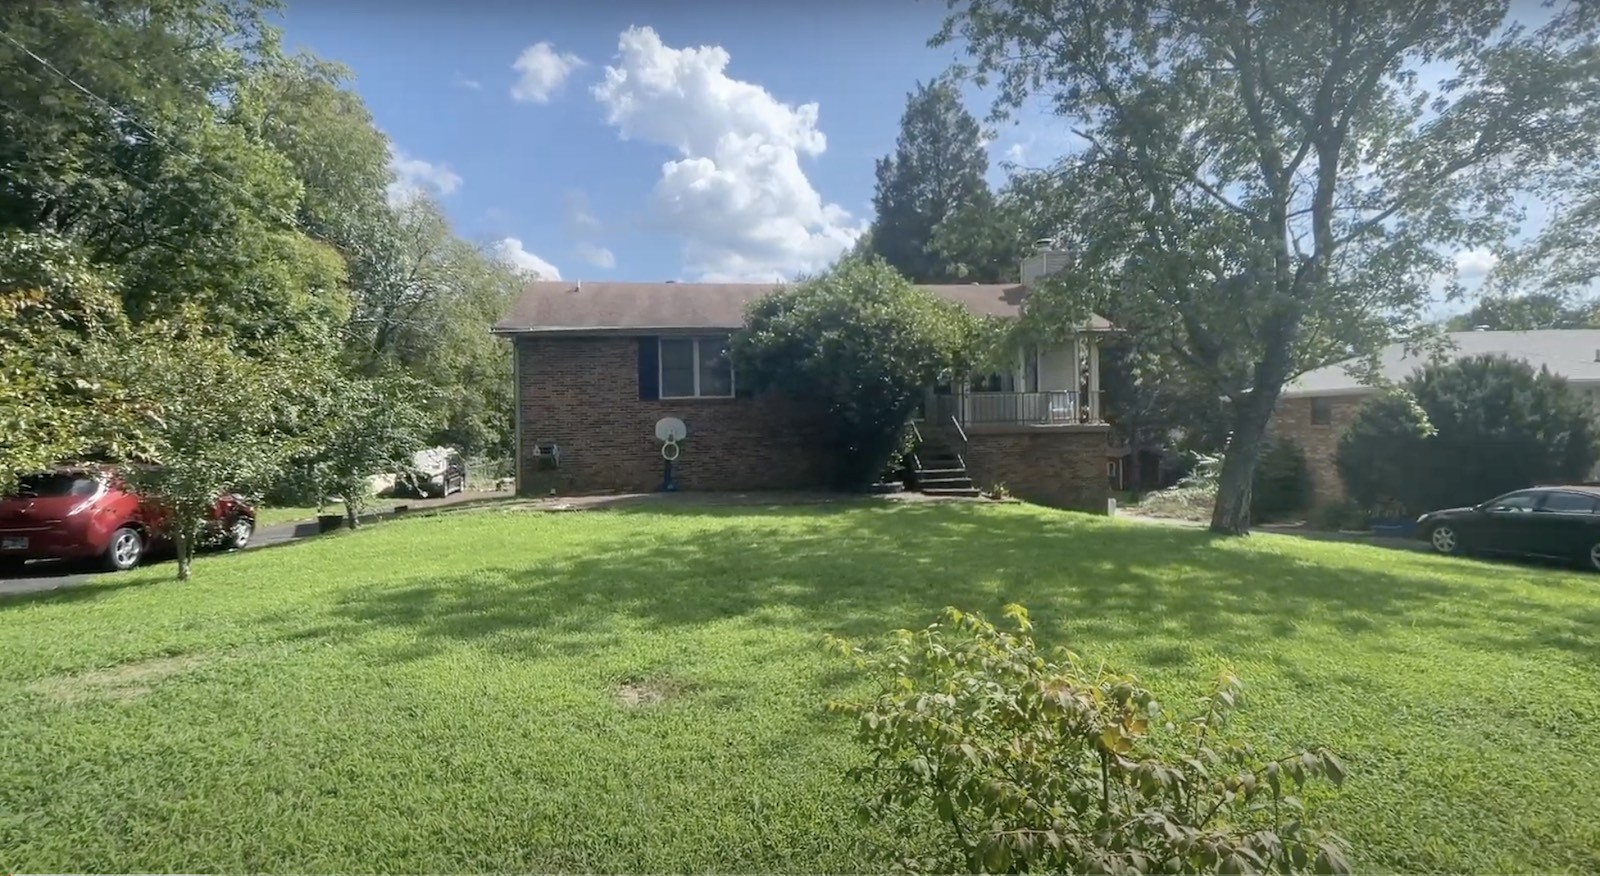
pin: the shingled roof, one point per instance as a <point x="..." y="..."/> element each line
<point x="1570" y="353"/>
<point x="560" y="306"/>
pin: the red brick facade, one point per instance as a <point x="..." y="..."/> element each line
<point x="1061" y="466"/>
<point x="582" y="395"/>
<point x="1319" y="440"/>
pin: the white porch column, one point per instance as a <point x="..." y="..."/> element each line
<point x="1094" y="379"/>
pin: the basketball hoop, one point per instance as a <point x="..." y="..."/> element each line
<point x="669" y="450"/>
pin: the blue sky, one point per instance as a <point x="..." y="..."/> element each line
<point x="637" y="140"/>
<point x="577" y="178"/>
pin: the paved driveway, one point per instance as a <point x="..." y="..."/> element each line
<point x="54" y="576"/>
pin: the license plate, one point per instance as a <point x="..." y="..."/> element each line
<point x="13" y="544"/>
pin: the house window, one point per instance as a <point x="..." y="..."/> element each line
<point x="1322" y="412"/>
<point x="1006" y="382"/>
<point x="1030" y="369"/>
<point x="696" y="368"/>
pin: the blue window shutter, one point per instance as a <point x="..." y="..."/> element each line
<point x="649" y="368"/>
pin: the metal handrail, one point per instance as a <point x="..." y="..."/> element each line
<point x="962" y="456"/>
<point x="917" y="434"/>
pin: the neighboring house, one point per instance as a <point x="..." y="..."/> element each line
<point x="598" y="364"/>
<point x="1316" y="409"/>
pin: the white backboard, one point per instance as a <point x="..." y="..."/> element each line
<point x="671" y="429"/>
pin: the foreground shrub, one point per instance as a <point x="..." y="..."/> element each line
<point x="1014" y="761"/>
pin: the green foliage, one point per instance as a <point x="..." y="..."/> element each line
<point x="204" y="419"/>
<point x="1529" y="312"/>
<point x="1264" y="191"/>
<point x="424" y="300"/>
<point x="240" y="188"/>
<point x="860" y="341"/>
<point x="1283" y="482"/>
<point x="54" y="304"/>
<point x="1029" y="761"/>
<point x="936" y="171"/>
<point x="357" y="427"/>
<point x="1477" y="427"/>
<point x="1378" y="453"/>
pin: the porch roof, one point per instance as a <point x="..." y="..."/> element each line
<point x="566" y="307"/>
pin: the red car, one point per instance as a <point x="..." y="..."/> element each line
<point x="91" y="513"/>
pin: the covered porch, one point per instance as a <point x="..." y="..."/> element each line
<point x="1047" y="385"/>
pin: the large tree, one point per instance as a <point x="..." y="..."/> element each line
<point x="936" y="171"/>
<point x="1268" y="187"/>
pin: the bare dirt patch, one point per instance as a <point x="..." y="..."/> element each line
<point x="639" y="693"/>
<point x="124" y="683"/>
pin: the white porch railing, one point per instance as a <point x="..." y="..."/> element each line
<point x="1048" y="408"/>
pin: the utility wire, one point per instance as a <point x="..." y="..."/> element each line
<point x="123" y="115"/>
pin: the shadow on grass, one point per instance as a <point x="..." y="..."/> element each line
<point x="822" y="570"/>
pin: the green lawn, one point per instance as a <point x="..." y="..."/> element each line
<point x="441" y="694"/>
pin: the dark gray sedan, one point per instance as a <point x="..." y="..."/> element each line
<point x="1561" y="523"/>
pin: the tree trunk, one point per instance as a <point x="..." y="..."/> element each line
<point x="352" y="514"/>
<point x="1231" y="514"/>
<point x="180" y="543"/>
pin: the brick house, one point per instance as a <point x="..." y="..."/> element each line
<point x="1315" y="410"/>
<point x="598" y="364"/>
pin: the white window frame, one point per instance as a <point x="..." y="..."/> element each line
<point x="661" y="386"/>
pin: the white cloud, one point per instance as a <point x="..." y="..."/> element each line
<point x="509" y="250"/>
<point x="413" y="176"/>
<point x="575" y="214"/>
<point x="541" y="71"/>
<point x="737" y="195"/>
<point x="598" y="256"/>
<point x="464" y="82"/>
<point x="1017" y="153"/>
<point x="1475" y="263"/>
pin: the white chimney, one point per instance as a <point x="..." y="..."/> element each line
<point x="1048" y="257"/>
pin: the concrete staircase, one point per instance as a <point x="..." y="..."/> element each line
<point x="940" y="470"/>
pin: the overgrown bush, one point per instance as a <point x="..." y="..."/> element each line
<point x="1466" y="431"/>
<point x="1283" y="482"/>
<point x="861" y="341"/>
<point x="1006" y="760"/>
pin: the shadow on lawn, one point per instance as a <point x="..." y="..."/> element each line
<point x="860" y="575"/>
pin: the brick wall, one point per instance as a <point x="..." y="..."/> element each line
<point x="1292" y="420"/>
<point x="582" y="394"/>
<point x="1060" y="466"/>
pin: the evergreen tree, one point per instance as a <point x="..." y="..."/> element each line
<point x="936" y="171"/>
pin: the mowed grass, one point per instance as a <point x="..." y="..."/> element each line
<point x="478" y="691"/>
